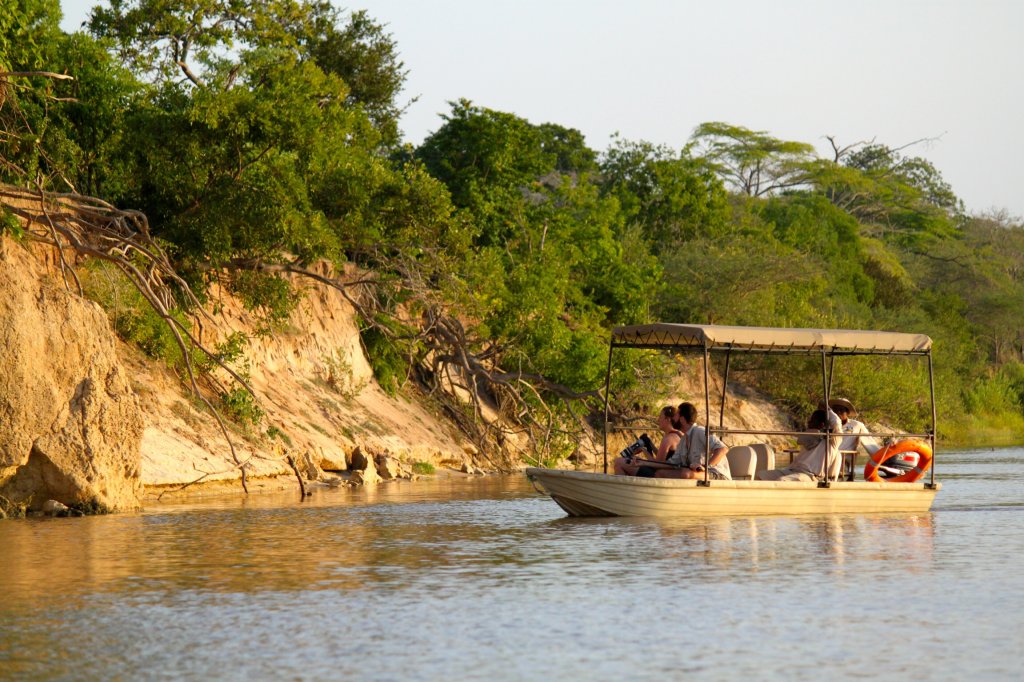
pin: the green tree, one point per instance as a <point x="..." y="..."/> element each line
<point x="569" y="148"/>
<point x="900" y="199"/>
<point x="207" y="41"/>
<point x="236" y="163"/>
<point x="746" y="280"/>
<point x="886" y="165"/>
<point x="549" y="268"/>
<point x="28" y="29"/>
<point x="200" y="39"/>
<point x="753" y="162"/>
<point x="580" y="229"/>
<point x="223" y="174"/>
<point x="87" y="149"/>
<point x="672" y="197"/>
<point x="366" y="58"/>
<point x="487" y="159"/>
<point x="985" y="269"/>
<point x="813" y="226"/>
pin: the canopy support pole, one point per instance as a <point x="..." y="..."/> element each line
<point x="725" y="384"/>
<point x="831" y="374"/>
<point x="607" y="384"/>
<point x="707" y="413"/>
<point x="826" y="384"/>
<point x="931" y="387"/>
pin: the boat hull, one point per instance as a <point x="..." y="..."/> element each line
<point x="588" y="494"/>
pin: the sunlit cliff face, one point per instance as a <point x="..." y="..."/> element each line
<point x="72" y="424"/>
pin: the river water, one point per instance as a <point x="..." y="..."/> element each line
<point x="483" y="579"/>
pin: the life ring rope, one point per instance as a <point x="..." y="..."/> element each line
<point x="924" y="461"/>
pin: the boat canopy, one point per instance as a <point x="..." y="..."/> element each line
<point x="770" y="339"/>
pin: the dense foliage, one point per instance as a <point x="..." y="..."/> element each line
<point x="261" y="138"/>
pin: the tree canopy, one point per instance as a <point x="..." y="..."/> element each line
<point x="260" y="139"/>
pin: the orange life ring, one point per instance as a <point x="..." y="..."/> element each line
<point x="924" y="462"/>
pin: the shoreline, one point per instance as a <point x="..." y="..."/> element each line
<point x="164" y="494"/>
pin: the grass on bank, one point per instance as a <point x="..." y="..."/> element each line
<point x="968" y="431"/>
<point x="423" y="468"/>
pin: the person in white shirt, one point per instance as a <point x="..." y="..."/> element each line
<point x="819" y="455"/>
<point x="689" y="461"/>
<point x="853" y="428"/>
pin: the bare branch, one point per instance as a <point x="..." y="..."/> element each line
<point x="923" y="140"/>
<point x="44" y="74"/>
<point x="840" y="152"/>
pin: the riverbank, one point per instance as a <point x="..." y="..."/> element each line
<point x="95" y="422"/>
<point x="317" y="402"/>
<point x="969" y="431"/>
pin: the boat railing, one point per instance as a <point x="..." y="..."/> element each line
<point x="719" y="431"/>
<point x="760" y="432"/>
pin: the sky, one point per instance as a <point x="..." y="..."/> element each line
<point x="892" y="71"/>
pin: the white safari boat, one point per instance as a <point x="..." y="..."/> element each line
<point x="582" y="493"/>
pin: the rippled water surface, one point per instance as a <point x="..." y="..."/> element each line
<point x="483" y="579"/>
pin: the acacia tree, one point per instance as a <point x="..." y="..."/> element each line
<point x="917" y="176"/>
<point x="753" y="162"/>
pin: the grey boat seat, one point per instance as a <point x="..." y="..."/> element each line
<point x="765" y="456"/>
<point x="742" y="462"/>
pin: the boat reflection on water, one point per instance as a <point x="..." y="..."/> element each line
<point x="732" y="547"/>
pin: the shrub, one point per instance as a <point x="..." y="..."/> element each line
<point x="132" y="317"/>
<point x="274" y="432"/>
<point x="273" y="298"/>
<point x="338" y="375"/>
<point x="241" y="407"/>
<point x="389" y="367"/>
<point x="423" y="468"/>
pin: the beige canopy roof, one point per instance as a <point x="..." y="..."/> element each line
<point x="769" y="338"/>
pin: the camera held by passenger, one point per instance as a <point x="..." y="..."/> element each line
<point x="641" y="443"/>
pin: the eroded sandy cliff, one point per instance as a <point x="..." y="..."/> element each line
<point x="317" y="390"/>
<point x="71" y="424"/>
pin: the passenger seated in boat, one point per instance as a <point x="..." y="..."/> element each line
<point x="688" y="460"/>
<point x="668" y="423"/>
<point x="818" y="456"/>
<point x="853" y="428"/>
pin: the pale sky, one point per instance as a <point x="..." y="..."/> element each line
<point x="890" y="70"/>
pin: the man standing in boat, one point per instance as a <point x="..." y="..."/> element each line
<point x="688" y="460"/>
<point x="818" y="458"/>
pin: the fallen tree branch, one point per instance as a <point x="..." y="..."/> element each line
<point x="449" y="359"/>
<point x="302" y="484"/>
<point x="205" y="475"/>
